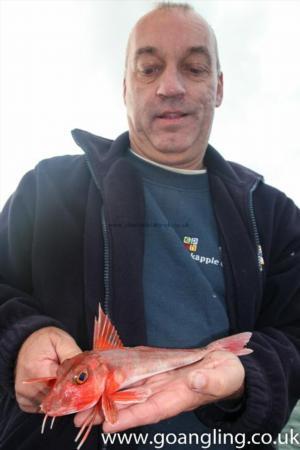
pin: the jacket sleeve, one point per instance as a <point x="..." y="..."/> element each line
<point x="20" y="312"/>
<point x="273" y="369"/>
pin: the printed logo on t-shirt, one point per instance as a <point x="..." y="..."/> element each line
<point x="191" y="244"/>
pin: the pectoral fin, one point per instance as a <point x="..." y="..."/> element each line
<point x="135" y="395"/>
<point x="109" y="400"/>
<point x="109" y="408"/>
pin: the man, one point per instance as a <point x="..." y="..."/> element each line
<point x="180" y="245"/>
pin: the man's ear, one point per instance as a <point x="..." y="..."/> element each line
<point x="124" y="90"/>
<point x="219" y="96"/>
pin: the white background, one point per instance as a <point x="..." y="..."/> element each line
<point x="62" y="66"/>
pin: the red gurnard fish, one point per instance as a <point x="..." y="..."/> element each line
<point x="102" y="377"/>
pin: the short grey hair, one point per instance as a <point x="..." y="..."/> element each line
<point x="184" y="7"/>
<point x="177" y="5"/>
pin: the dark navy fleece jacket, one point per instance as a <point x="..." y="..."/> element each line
<point x="60" y="253"/>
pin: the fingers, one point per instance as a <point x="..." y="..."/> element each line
<point x="30" y="397"/>
<point x="30" y="404"/>
<point x="65" y="346"/>
<point x="40" y="356"/>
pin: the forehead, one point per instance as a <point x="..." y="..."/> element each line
<point x="170" y="31"/>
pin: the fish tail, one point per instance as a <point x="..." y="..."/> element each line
<point x="235" y="344"/>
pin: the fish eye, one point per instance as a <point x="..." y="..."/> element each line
<point x="81" y="377"/>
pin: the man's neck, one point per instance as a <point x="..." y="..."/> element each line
<point x="170" y="168"/>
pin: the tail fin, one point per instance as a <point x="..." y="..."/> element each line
<point x="235" y="344"/>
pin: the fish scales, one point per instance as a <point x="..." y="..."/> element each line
<point x="144" y="362"/>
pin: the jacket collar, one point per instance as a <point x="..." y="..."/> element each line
<point x="102" y="152"/>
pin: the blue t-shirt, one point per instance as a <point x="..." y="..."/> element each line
<point x="182" y="274"/>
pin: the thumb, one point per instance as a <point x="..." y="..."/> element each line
<point x="66" y="346"/>
<point x="198" y="381"/>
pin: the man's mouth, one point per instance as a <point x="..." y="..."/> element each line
<point x="172" y="115"/>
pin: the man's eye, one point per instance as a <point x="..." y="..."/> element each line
<point x="196" y="70"/>
<point x="149" y="70"/>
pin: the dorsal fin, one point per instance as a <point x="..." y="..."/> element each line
<point x="105" y="334"/>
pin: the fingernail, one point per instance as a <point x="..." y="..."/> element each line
<point x="198" y="381"/>
<point x="77" y="423"/>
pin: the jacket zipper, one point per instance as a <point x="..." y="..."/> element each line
<point x="107" y="258"/>
<point x="260" y="258"/>
<point x="107" y="264"/>
<point x="106" y="277"/>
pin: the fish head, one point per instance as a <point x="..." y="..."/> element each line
<point x="79" y="385"/>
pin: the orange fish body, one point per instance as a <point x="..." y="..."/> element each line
<point x="104" y="376"/>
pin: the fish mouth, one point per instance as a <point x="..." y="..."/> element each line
<point x="60" y="411"/>
<point x="63" y="410"/>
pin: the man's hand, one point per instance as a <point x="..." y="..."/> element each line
<point x="220" y="375"/>
<point x="40" y="356"/>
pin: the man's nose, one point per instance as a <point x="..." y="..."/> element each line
<point x="171" y="84"/>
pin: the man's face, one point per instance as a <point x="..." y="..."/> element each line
<point x="171" y="87"/>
